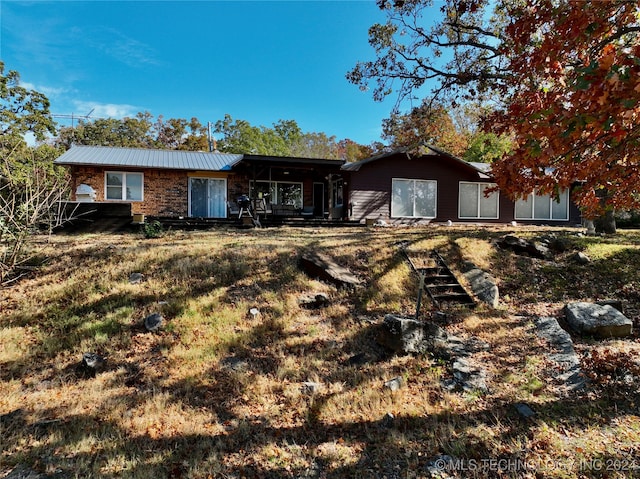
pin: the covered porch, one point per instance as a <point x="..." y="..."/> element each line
<point x="283" y="187"/>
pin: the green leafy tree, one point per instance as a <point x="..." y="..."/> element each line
<point x="239" y="136"/>
<point x="486" y="147"/>
<point x="316" y="145"/>
<point x="22" y="111"/>
<point x="30" y="185"/>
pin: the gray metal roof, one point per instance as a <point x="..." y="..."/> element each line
<point x="144" y="158"/>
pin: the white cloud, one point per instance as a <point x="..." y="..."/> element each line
<point x="105" y="110"/>
<point x="124" y="48"/>
<point x="49" y="92"/>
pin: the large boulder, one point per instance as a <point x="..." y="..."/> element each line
<point x="523" y="247"/>
<point x="318" y="265"/>
<point x="408" y="335"/>
<point x="603" y="321"/>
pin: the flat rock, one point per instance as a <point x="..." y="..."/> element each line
<point x="408" y="335"/>
<point x="314" y="301"/>
<point x="524" y="410"/>
<point x="603" y="321"/>
<point x="469" y="377"/>
<point x="482" y="284"/>
<point x="136" y="278"/>
<point x="318" y="265"/>
<point x="562" y="353"/>
<point x="394" y="384"/>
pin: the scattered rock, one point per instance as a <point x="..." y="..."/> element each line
<point x="524" y="410"/>
<point x="254" y="313"/>
<point x="318" y="265"/>
<point x="407" y="335"/>
<point x="482" y="284"/>
<point x="314" y="301"/>
<point x="558" y="245"/>
<point x="310" y="387"/>
<point x="458" y="347"/>
<point x="153" y="322"/>
<point x="394" y="384"/>
<point x="470" y="378"/>
<point x="580" y="258"/>
<point x="234" y="363"/>
<point x="387" y="421"/>
<point x="358" y="359"/>
<point x="524" y="247"/>
<point x="92" y="364"/>
<point x="136" y="278"/>
<point x="438" y="466"/>
<point x="597" y="320"/>
<point x="563" y="353"/>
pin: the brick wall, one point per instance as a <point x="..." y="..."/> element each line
<point x="166" y="192"/>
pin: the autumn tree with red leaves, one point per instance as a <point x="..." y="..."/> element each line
<point x="564" y="77"/>
<point x="424" y="124"/>
<point x="575" y="110"/>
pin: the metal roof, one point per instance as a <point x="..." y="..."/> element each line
<point x="145" y="158"/>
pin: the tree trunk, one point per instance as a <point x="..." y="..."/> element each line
<point x="591" y="228"/>
<point x="609" y="222"/>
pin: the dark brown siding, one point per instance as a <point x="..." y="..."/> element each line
<point x="370" y="190"/>
<point x="370" y="187"/>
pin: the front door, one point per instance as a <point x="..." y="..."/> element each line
<point x="208" y="197"/>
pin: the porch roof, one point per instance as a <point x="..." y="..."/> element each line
<point x="287" y="161"/>
<point x="146" y="158"/>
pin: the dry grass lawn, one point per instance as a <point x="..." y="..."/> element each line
<point x="220" y="393"/>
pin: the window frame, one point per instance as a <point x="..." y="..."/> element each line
<point x="480" y="196"/>
<point x="413" y="206"/>
<point x="225" y="201"/>
<point x="273" y="189"/>
<point x="338" y="193"/>
<point x="532" y="198"/>
<point x="123" y="187"/>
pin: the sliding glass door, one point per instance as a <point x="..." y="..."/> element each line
<point x="208" y="197"/>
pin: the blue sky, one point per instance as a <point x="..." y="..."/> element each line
<point x="257" y="61"/>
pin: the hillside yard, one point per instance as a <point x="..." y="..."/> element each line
<point x="298" y="392"/>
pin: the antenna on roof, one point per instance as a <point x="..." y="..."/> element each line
<point x="73" y="116"/>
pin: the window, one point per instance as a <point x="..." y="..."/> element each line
<point x="278" y="192"/>
<point x="123" y="186"/>
<point x="474" y="204"/>
<point x="338" y="191"/>
<point x="543" y="207"/>
<point x="413" y="198"/>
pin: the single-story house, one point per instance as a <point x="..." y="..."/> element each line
<point x="399" y="187"/>
<point x="173" y="183"/>
<point x="407" y="187"/>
